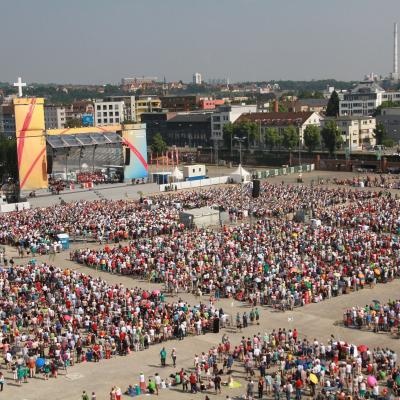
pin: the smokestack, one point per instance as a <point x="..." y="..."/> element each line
<point x="395" y="56"/>
<point x="276" y="106"/>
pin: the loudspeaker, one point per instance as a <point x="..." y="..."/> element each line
<point x="216" y="325"/>
<point x="300" y="216"/>
<point x="127" y="156"/>
<point x="256" y="188"/>
<point x="49" y="165"/>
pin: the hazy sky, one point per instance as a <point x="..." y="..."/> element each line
<point x="99" y="41"/>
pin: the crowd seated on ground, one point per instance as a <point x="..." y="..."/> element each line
<point x="274" y="200"/>
<point x="375" y="317"/>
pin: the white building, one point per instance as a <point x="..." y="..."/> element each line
<point x="364" y="99"/>
<point x="357" y="132"/>
<point x="54" y="117"/>
<point x="227" y="114"/>
<point x="108" y="112"/>
<point x="197" y="78"/>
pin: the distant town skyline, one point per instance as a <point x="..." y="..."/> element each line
<point x="97" y="41"/>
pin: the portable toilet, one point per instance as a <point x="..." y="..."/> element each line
<point x="64" y="240"/>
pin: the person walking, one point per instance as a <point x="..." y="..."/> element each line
<point x="85" y="395"/>
<point x="260" y="387"/>
<point x="1" y="381"/>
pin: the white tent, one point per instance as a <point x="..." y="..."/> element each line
<point x="177" y="174"/>
<point x="240" y="175"/>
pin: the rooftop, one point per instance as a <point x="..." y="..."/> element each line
<point x="280" y="118"/>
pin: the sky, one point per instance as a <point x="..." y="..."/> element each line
<point x="102" y="41"/>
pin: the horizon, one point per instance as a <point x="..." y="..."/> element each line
<point x="96" y="42"/>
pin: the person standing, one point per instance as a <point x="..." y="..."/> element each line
<point x="1" y="381"/>
<point x="173" y="356"/>
<point x="85" y="395"/>
<point x="217" y="384"/>
<point x="250" y="388"/>
<point x="260" y="387"/>
<point x="163" y="356"/>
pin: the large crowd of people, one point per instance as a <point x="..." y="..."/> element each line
<point x="52" y="318"/>
<point x="375" y="317"/>
<point x="282" y="364"/>
<point x="99" y="220"/>
<point x="276" y="263"/>
<point x="382" y="181"/>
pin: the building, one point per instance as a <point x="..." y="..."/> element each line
<point x="108" y="112"/>
<point x="146" y="104"/>
<point x="197" y="78"/>
<point x="180" y="103"/>
<point x="390" y="118"/>
<point x="156" y="122"/>
<point x="7" y="120"/>
<point x="313" y="105"/>
<point x="281" y="120"/>
<point x="210" y="104"/>
<point x="77" y="109"/>
<point x="189" y="129"/>
<point x="357" y="132"/>
<point x="365" y="98"/>
<point x="227" y="114"/>
<point x="54" y="117"/>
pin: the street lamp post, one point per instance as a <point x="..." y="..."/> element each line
<point x="240" y="141"/>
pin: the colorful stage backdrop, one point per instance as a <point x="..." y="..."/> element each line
<point x="31" y="143"/>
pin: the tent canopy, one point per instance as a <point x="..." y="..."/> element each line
<point x="240" y="175"/>
<point x="177" y="174"/>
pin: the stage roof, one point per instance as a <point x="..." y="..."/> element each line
<point x="83" y="140"/>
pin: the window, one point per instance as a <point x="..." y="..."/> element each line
<point x="117" y="113"/>
<point x="110" y="107"/>
<point x="98" y="120"/>
<point x="104" y="107"/>
<point x="194" y="170"/>
<point x="111" y="113"/>
<point x="111" y="120"/>
<point x="117" y="120"/>
<point x="105" y="120"/>
<point x="104" y="114"/>
<point x="99" y="114"/>
<point x="115" y="106"/>
<point x="99" y="107"/>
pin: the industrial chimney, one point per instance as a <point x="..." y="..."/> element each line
<point x="395" y="56"/>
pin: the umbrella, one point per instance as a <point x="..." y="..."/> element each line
<point x="377" y="271"/>
<point x="155" y="292"/>
<point x="40" y="362"/>
<point x="235" y="385"/>
<point x="67" y="317"/>
<point x="145" y="295"/>
<point x="314" y="378"/>
<point x="398" y="379"/>
<point x="376" y="301"/>
<point x="371" y="381"/>
<point x="362" y="348"/>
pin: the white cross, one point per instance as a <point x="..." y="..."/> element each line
<point x="19" y="85"/>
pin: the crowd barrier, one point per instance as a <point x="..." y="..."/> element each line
<point x="225" y="179"/>
<point x="193" y="184"/>
<point x="285" y="171"/>
<point x="4" y="208"/>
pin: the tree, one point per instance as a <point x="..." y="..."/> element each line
<point x="8" y="158"/>
<point x="332" y="109"/>
<point x="158" y="144"/>
<point x="290" y="137"/>
<point x="247" y="129"/>
<point x="228" y="134"/>
<point x="379" y="133"/>
<point x="73" y="123"/>
<point x="272" y="137"/>
<point x="312" y="137"/>
<point x="331" y="136"/>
